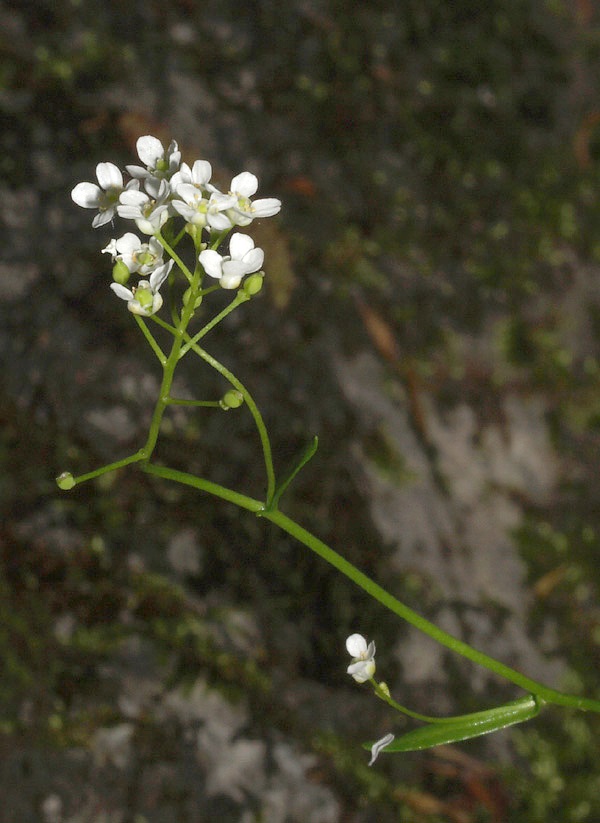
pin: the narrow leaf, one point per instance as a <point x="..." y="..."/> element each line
<point x="306" y="455"/>
<point x="467" y="727"/>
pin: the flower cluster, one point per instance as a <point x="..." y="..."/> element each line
<point x="164" y="188"/>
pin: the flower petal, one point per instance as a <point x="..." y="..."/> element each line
<point x="86" y="195"/>
<point x="217" y="220"/>
<point x="159" y="275"/>
<point x="102" y="218"/>
<point x="356" y="645"/>
<point x="232" y="269"/>
<point x="245" y="184"/>
<point x="266" y="207"/>
<point x="109" y="176"/>
<point x="231" y="279"/>
<point x="378" y="746"/>
<point x="212" y="262"/>
<point x="362" y="670"/>
<point x="253" y="260"/>
<point x="149" y="150"/>
<point x="121" y="291"/>
<point x="201" y="172"/>
<point x="133" y="197"/>
<point x="128" y="243"/>
<point x="239" y="245"/>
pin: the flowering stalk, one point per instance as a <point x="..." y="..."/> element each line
<point x="160" y="192"/>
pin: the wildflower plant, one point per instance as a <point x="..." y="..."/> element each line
<point x="172" y="203"/>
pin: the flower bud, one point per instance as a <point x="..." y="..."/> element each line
<point x="195" y="232"/>
<point x="253" y="284"/>
<point x="232" y="399"/>
<point x="385" y="689"/>
<point x="186" y="298"/>
<point x="120" y="273"/>
<point x="65" y="481"/>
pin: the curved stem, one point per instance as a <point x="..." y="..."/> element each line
<point x="383" y="695"/>
<point x="241" y="500"/>
<point x="424" y="718"/>
<point x="254" y="411"/>
<point x="376" y="591"/>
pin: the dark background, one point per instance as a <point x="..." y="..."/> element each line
<point x="431" y="310"/>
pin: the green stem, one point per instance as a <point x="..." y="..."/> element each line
<point x="424" y="718"/>
<point x="362" y="581"/>
<point x="176" y="401"/>
<point x="172" y="253"/>
<point x="150" y="338"/>
<point x="238" y="499"/>
<point x="171" y="329"/>
<point x="254" y="411"/>
<point x="170" y="363"/>
<point x="241" y="297"/>
<point x="381" y="693"/>
<point x="111" y="467"/>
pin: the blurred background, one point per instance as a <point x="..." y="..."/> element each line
<point x="431" y="310"/>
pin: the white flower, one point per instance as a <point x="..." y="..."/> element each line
<point x="378" y="746"/>
<point x="243" y="186"/>
<point x="144" y="299"/>
<point x="362" y="667"/>
<point x="191" y="204"/>
<point x="159" y="163"/>
<point x="105" y="196"/>
<point x="149" y="213"/>
<point x="229" y="269"/>
<point x="137" y="256"/>
<point x="199" y="175"/>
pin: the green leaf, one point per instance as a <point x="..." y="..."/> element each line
<point x="306" y="455"/>
<point x="467" y="726"/>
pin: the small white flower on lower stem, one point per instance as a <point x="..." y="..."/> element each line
<point x="144" y="299"/>
<point x="105" y="196"/>
<point x="362" y="667"/>
<point x="378" y="746"/>
<point x="229" y="269"/>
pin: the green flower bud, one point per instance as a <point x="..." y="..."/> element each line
<point x="186" y="298"/>
<point x="253" y="284"/>
<point x="65" y="481"/>
<point x="120" y="273"/>
<point x="195" y="232"/>
<point x="232" y="399"/>
<point x="385" y="688"/>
